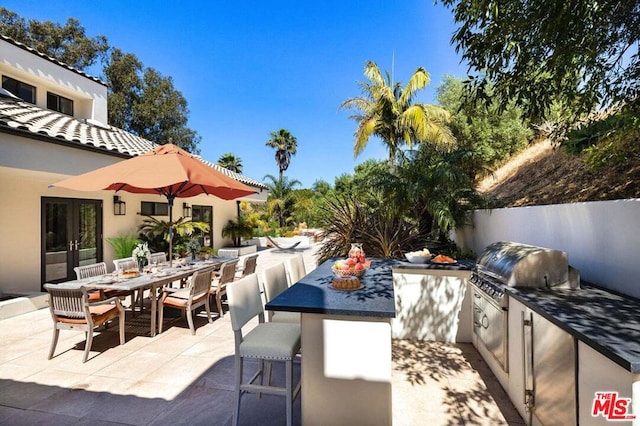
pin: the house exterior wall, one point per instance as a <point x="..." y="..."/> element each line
<point x="89" y="96"/>
<point x="602" y="238"/>
<point x="27" y="167"/>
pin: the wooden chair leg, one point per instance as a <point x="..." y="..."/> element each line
<point x="87" y="345"/>
<point x="208" y="309"/>
<point x="189" y="313"/>
<point x="54" y="341"/>
<point x="219" y="304"/>
<point x="121" y="326"/>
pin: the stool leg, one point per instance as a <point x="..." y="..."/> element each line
<point x="236" y="412"/>
<point x="289" y="385"/>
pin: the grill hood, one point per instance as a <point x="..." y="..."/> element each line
<point x="522" y="265"/>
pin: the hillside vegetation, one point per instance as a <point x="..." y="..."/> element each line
<point x="542" y="174"/>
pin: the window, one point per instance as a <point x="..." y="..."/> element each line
<point x="24" y="91"/>
<point x="59" y="103"/>
<point x="203" y="214"/>
<point x="148" y="208"/>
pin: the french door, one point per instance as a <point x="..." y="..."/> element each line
<point x="71" y="236"/>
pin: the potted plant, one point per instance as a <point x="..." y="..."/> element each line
<point x="123" y="245"/>
<point x="236" y="230"/>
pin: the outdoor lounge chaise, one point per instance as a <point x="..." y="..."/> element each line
<point x="281" y="247"/>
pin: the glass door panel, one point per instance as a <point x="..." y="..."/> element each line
<point x="203" y="214"/>
<point x="87" y="233"/>
<point x="57" y="248"/>
<point x="71" y="236"/>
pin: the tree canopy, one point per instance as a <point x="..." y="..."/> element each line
<point x="140" y="100"/>
<point x="582" y="53"/>
<point x="489" y="134"/>
<point x="230" y="161"/>
<point x="285" y="145"/>
<point x="387" y="110"/>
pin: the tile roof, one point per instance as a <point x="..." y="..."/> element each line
<point x="23" y="117"/>
<point x="51" y="59"/>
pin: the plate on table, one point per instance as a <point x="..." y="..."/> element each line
<point x="444" y="263"/>
<point x="106" y="280"/>
<point x="413" y="257"/>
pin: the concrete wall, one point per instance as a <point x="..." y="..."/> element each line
<point x="602" y="238"/>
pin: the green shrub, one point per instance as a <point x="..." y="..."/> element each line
<point x="123" y="245"/>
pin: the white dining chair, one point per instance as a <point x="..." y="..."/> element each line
<point x="274" y="281"/>
<point x="295" y="269"/>
<point x="266" y="342"/>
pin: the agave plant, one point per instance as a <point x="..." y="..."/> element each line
<point x="347" y="220"/>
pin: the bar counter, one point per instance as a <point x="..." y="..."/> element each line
<point x="346" y="345"/>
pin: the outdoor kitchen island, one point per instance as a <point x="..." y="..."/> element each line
<point x="346" y="345"/>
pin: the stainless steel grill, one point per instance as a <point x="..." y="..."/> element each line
<point x="507" y="264"/>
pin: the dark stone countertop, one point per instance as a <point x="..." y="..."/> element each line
<point x="312" y="293"/>
<point x="460" y="265"/>
<point x="606" y="321"/>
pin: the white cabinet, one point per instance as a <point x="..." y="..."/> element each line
<point x="432" y="305"/>
<point x="597" y="373"/>
<point x="542" y="361"/>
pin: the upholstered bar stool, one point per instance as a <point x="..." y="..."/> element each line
<point x="266" y="342"/>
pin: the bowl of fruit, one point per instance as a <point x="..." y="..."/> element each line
<point x="420" y="256"/>
<point x="350" y="267"/>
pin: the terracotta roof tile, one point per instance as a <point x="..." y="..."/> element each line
<point x="26" y="117"/>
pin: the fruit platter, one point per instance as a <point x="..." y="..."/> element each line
<point x="441" y="259"/>
<point x="350" y="267"/>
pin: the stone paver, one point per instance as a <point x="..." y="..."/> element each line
<point x="175" y="377"/>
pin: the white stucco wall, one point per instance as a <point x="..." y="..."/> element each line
<point x="602" y="238"/>
<point x="27" y="167"/>
<point x="89" y="96"/>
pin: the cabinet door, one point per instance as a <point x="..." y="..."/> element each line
<point x="554" y="374"/>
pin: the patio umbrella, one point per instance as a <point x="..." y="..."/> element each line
<point x="167" y="170"/>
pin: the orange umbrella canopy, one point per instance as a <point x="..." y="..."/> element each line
<point x="167" y="170"/>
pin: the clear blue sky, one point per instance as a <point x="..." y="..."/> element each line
<point x="251" y="68"/>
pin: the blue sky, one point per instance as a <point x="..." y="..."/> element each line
<point x="251" y="68"/>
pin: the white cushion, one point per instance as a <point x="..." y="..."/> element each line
<point x="271" y="341"/>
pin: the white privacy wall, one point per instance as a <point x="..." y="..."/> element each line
<point x="602" y="238"/>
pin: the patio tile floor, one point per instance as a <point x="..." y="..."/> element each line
<point x="175" y="377"/>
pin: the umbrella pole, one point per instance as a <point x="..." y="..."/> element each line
<point x="170" y="231"/>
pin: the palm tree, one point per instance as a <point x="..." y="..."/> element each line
<point x="285" y="144"/>
<point x="231" y="162"/>
<point x="387" y="111"/>
<point x="281" y="200"/>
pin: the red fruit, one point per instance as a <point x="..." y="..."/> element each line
<point x="359" y="267"/>
<point x="345" y="267"/>
<point x="351" y="261"/>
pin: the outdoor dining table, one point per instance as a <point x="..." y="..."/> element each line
<point x="346" y="345"/>
<point x="152" y="281"/>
